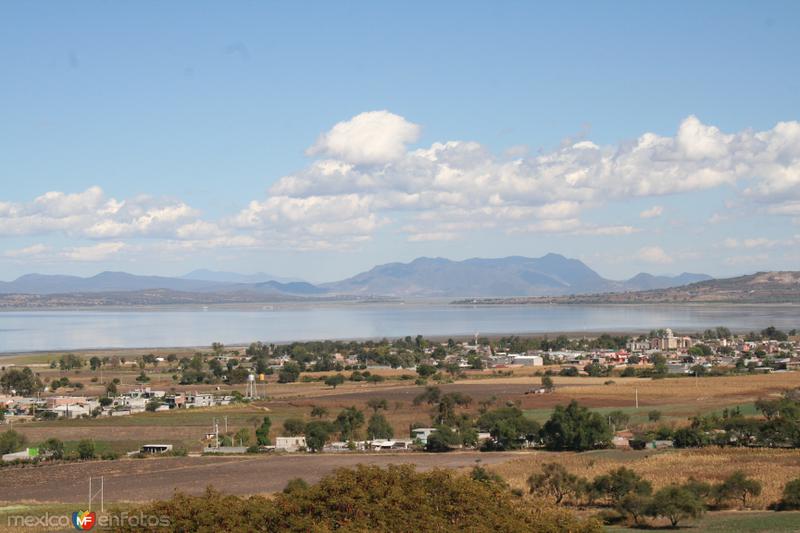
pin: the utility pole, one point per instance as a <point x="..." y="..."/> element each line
<point x="637" y="398"/>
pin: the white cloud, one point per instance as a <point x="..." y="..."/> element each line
<point x="27" y="252"/>
<point x="654" y="254"/>
<point x="653" y="212"/>
<point x="368" y="138"/>
<point x="97" y="252"/>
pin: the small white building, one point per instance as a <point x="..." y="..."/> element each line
<point x="528" y="360"/>
<point x="290" y="444"/>
<point x="422" y="434"/>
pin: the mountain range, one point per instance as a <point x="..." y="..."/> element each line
<point x="550" y="275"/>
<point x="778" y="287"/>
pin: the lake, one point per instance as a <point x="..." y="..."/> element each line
<point x="84" y="329"/>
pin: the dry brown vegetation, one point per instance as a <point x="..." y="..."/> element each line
<point x="773" y="468"/>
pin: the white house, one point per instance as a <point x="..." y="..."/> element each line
<point x="290" y="444"/>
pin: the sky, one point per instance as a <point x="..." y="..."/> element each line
<point x="318" y="139"/>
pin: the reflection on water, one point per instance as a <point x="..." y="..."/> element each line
<point x="53" y="330"/>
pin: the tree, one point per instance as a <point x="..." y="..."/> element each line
<point x="508" y="427"/>
<point x="575" y="428"/>
<point x="295" y="485"/>
<point x="791" y="496"/>
<point x="635" y="505"/>
<point x="654" y="415"/>
<point x="348" y="421"/>
<point x="547" y="383"/>
<point x="152" y="405"/>
<point x="262" y="433"/>
<point x="430" y="396"/>
<point x="620" y="482"/>
<point x="442" y="440"/>
<point x="242" y="436"/>
<point x="23" y="381"/>
<point x="738" y="486"/>
<point x="426" y="371"/>
<point x="554" y="481"/>
<point x="334" y="381"/>
<point x="317" y="434"/>
<point x="95" y="363"/>
<point x="111" y="389"/>
<point x="86" y="449"/>
<point x="689" y="438"/>
<point x="675" y="503"/>
<point x="377" y="403"/>
<point x="294" y="426"/>
<point x="289" y="373"/>
<point x="379" y="427"/>
<point x="53" y="447"/>
<point x="11" y="441"/>
<point x="618" y="419"/>
<point x="319" y="412"/>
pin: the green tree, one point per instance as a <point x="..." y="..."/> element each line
<point x="317" y="434"/>
<point x="654" y="415"/>
<point x="377" y="404"/>
<point x="791" y="496"/>
<point x="348" y="422"/>
<point x="54" y="447"/>
<point x="86" y="449"/>
<point x="620" y="482"/>
<point x="426" y="371"/>
<point x="379" y="427"/>
<point x="12" y="441"/>
<point x="675" y="503"/>
<point x="152" y="405"/>
<point x="95" y="363"/>
<point x="294" y="426"/>
<point x="737" y="486"/>
<point x="555" y="482"/>
<point x="334" y="381"/>
<point x="23" y="381"/>
<point x="634" y="505"/>
<point x="689" y="438"/>
<point x="575" y="428"/>
<point x="262" y="433"/>
<point x="242" y="437"/>
<point x="509" y="428"/>
<point x="547" y="383"/>
<point x="319" y="412"/>
<point x="289" y="372"/>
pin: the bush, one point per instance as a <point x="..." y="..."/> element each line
<point x="791" y="496"/>
<point x="369" y="498"/>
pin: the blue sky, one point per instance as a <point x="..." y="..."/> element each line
<point x="318" y="139"/>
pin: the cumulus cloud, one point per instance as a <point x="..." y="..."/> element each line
<point x="27" y="252"/>
<point x="364" y="175"/>
<point x="653" y="212"/>
<point x="96" y="252"/>
<point x="368" y="138"/>
<point x="545" y="192"/>
<point x="91" y="214"/>
<point x="655" y="255"/>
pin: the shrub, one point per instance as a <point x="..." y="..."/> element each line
<point x="791" y="496"/>
<point x="369" y="498"/>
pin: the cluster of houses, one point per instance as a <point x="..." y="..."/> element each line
<point x="763" y="355"/>
<point x="20" y="408"/>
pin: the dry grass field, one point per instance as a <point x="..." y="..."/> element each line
<point x="773" y="468"/>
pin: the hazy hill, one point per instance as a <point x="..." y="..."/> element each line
<point x="762" y="287"/>
<point x="234" y="277"/>
<point x="103" y="282"/>
<point x="550" y="275"/>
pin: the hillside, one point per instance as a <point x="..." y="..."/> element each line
<point x="549" y="275"/>
<point x="762" y="287"/>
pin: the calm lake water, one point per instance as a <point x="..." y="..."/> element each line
<point x="68" y="330"/>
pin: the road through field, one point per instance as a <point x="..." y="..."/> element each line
<point x="158" y="478"/>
